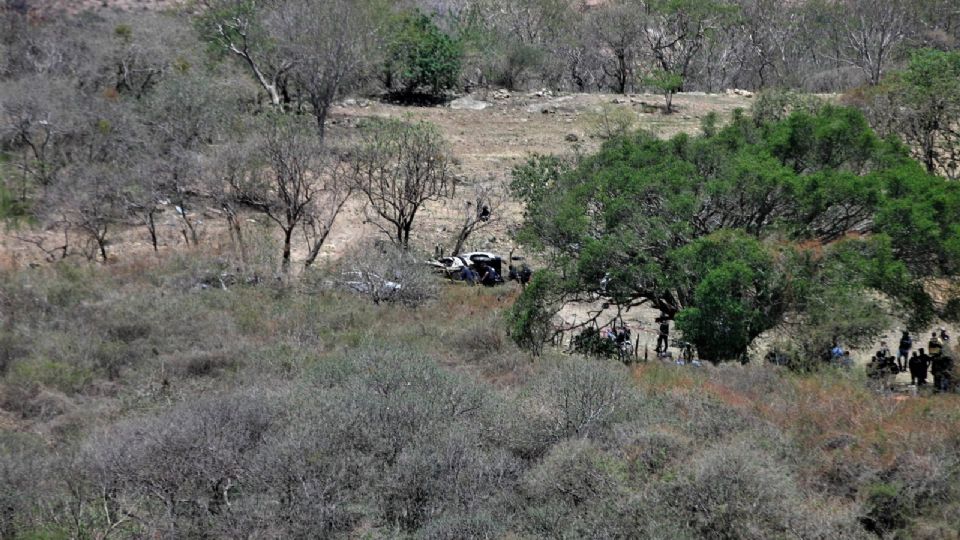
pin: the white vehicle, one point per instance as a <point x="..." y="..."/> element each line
<point x="448" y="265"/>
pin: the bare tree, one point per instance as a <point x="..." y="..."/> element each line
<point x="398" y="167"/>
<point x="617" y="28"/>
<point x="329" y="46"/>
<point x="92" y="201"/>
<point x="294" y="181"/>
<point x="236" y="27"/>
<point x="39" y="118"/>
<point x="675" y="32"/>
<point x="186" y="113"/>
<point x="872" y="29"/>
<point x="478" y="212"/>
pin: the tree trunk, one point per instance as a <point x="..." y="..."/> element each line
<point x="287" y="235"/>
<point x="237" y="235"/>
<point x="152" y="227"/>
<point x="102" y="244"/>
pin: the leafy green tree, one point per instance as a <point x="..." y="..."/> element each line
<point x="421" y="57"/>
<point x="926" y="100"/>
<point x="732" y="230"/>
<point x="667" y="83"/>
<point x="530" y="319"/>
<point x="734" y="288"/>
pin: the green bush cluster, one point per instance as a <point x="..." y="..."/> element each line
<point x="796" y="213"/>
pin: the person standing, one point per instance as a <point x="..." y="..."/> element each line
<point x="915" y="364"/>
<point x="940" y="366"/>
<point x="934" y="346"/>
<point x="924" y="367"/>
<point x="663" y="336"/>
<point x="903" y="350"/>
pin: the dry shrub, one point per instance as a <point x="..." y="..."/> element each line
<point x="189" y="462"/>
<point x="568" y="398"/>
<point x="457" y="526"/>
<point x="574" y="492"/>
<point x="385" y="274"/>
<point x="204" y="364"/>
<point x="736" y="490"/>
<point x="26" y="475"/>
<point x="444" y="473"/>
<point x="483" y="336"/>
<point x="925" y="480"/>
<point x="650" y="450"/>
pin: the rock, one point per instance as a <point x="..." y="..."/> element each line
<point x="739" y="92"/>
<point x="618" y="101"/>
<point x="501" y="94"/>
<point x="469" y="104"/>
<point x="571" y="137"/>
<point x="350" y="102"/>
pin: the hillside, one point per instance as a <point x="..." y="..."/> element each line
<point x="225" y="309"/>
<point x="192" y="411"/>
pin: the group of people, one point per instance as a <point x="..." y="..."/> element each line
<point x="921" y="362"/>
<point x="620" y="335"/>
<point x="484" y="275"/>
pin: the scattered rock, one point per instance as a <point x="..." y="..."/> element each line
<point x="561" y="104"/>
<point x="571" y="137"/>
<point x="469" y="104"/>
<point x="739" y="92"/>
<point x="543" y="92"/>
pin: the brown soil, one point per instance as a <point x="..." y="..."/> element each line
<point x="487" y="145"/>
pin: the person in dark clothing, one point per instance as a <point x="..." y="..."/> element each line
<point x="890" y="365"/>
<point x="524" y="275"/>
<point x="467" y="275"/>
<point x="918" y="369"/>
<point x="488" y="276"/>
<point x="924" y="366"/>
<point x="875" y="369"/>
<point x="663" y="336"/>
<point x="940" y="366"/>
<point x="903" y="350"/>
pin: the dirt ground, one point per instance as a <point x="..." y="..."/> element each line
<point x="487" y="144"/>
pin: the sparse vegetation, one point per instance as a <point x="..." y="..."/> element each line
<point x="192" y="347"/>
<point x="377" y="415"/>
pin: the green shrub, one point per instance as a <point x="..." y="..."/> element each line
<point x="67" y="378"/>
<point x="885" y="510"/>
<point x="421" y="57"/>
